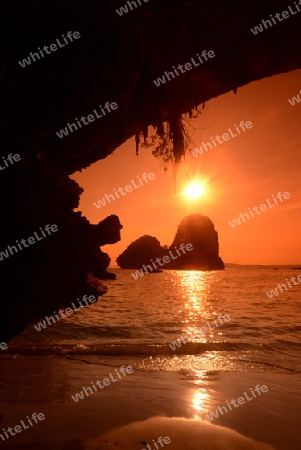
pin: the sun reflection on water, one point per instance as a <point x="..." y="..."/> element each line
<point x="197" y="307"/>
<point x="201" y="399"/>
<point x="200" y="307"/>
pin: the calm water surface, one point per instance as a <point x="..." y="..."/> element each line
<point x="139" y="319"/>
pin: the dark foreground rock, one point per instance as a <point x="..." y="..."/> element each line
<point x="140" y="252"/>
<point x="56" y="270"/>
<point x="115" y="59"/>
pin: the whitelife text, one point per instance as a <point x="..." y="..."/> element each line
<point x="243" y="126"/>
<point x="145" y="268"/>
<point x="240" y="400"/>
<point x="221" y="318"/>
<point x="49" y="49"/>
<point x="17" y="428"/>
<point x="31" y="240"/>
<point x="263" y="207"/>
<point x="183" y="68"/>
<point x="128" y="188"/>
<point x="106" y="381"/>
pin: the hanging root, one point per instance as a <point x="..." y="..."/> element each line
<point x="177" y="131"/>
<point x="137" y="140"/>
<point x="144" y="133"/>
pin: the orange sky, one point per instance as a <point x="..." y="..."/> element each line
<point x="240" y="173"/>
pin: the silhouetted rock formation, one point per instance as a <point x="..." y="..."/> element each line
<point x="196" y="229"/>
<point x="140" y="252"/>
<point x="57" y="270"/>
<point x="116" y="59"/>
<point x="199" y="231"/>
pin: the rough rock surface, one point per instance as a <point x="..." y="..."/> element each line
<point x="196" y="229"/>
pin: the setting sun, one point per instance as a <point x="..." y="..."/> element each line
<point x="194" y="190"/>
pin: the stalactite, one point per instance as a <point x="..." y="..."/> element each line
<point x="176" y="128"/>
<point x="137" y="140"/>
<point x="145" y="134"/>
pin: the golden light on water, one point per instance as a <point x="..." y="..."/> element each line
<point x="200" y="400"/>
<point x="195" y="311"/>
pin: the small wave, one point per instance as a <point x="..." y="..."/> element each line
<point x="143" y="350"/>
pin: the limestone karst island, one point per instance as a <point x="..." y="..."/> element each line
<point x="195" y="230"/>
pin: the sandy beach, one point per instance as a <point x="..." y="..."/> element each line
<point x="47" y="384"/>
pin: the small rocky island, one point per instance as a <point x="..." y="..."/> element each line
<point x="195" y="229"/>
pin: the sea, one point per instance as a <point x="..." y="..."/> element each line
<point x="139" y="319"/>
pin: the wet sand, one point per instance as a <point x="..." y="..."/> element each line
<point x="45" y="385"/>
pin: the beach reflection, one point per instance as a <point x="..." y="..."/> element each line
<point x="199" y="307"/>
<point x="200" y="400"/>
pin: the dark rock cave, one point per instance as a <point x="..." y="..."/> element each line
<point x="115" y="60"/>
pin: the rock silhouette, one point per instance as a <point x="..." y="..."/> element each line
<point x="140" y="252"/>
<point x="195" y="229"/>
<point x="199" y="231"/>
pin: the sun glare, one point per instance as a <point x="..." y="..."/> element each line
<point x="194" y="190"/>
